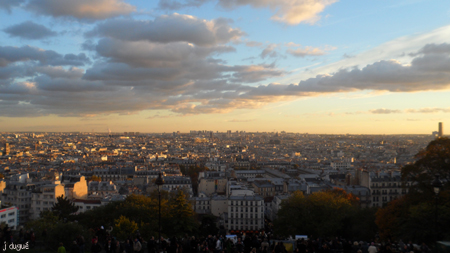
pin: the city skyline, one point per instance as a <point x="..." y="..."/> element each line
<point x="316" y="66"/>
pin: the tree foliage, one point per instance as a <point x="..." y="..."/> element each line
<point x="319" y="214"/>
<point x="123" y="227"/>
<point x="412" y="217"/>
<point x="176" y="214"/>
<point x="64" y="208"/>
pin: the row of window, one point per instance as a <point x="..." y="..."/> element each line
<point x="235" y="215"/>
<point x="241" y="209"/>
<point x="246" y="222"/>
<point x="45" y="202"/>
<point x="9" y="214"/>
<point x="244" y="203"/>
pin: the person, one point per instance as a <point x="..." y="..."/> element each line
<point x="61" y="248"/>
<point x="218" y="246"/>
<point x="372" y="248"/>
<point x="81" y="243"/>
<point x="240" y="246"/>
<point x="137" y="246"/>
<point x="109" y="247"/>
<point x="151" y="245"/>
<point x="96" y="248"/>
<point x="118" y="248"/>
<point x="74" y="248"/>
<point x="265" y="246"/>
<point x="127" y="246"/>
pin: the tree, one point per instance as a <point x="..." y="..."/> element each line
<point x="182" y="218"/>
<point x="208" y="225"/>
<point x="123" y="227"/>
<point x="320" y="214"/>
<point x="409" y="217"/>
<point x="64" y="208"/>
<point x="434" y="159"/>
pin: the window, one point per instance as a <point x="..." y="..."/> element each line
<point x="11" y="214"/>
<point x="3" y="216"/>
<point x="11" y="221"/>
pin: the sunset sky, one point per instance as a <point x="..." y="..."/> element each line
<point x="308" y="66"/>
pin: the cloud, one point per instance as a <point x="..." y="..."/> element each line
<point x="428" y="110"/>
<point x="269" y="51"/>
<point x="170" y="28"/>
<point x="29" y="30"/>
<point x="384" y="111"/>
<point x="10" y="54"/>
<point x="9" y="4"/>
<point x="175" y="5"/>
<point x="297" y="50"/>
<point x="291" y="12"/>
<point x="307" y="51"/>
<point x="253" y="44"/>
<point x="81" y="9"/>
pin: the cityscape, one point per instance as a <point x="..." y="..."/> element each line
<point x="224" y="126"/>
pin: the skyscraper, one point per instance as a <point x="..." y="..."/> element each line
<point x="441" y="130"/>
<point x="7" y="149"/>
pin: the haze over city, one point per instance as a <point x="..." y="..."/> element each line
<point x="316" y="66"/>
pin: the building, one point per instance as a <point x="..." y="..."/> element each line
<point x="10" y="217"/>
<point x="178" y="183"/>
<point x="76" y="187"/>
<point x="43" y="197"/>
<point x="7" y="149"/>
<point x="19" y="195"/>
<point x="245" y="213"/>
<point x="212" y="185"/>
<point x="86" y="204"/>
<point x="264" y="188"/>
<point x="441" y="130"/>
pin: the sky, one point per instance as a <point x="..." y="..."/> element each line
<point x="305" y="66"/>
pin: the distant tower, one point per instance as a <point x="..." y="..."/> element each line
<point x="441" y="130"/>
<point x="7" y="149"/>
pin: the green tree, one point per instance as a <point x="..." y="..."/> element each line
<point x="208" y="225"/>
<point x="409" y="217"/>
<point x="320" y="214"/>
<point x="64" y="208"/>
<point x="123" y="227"/>
<point x="181" y="216"/>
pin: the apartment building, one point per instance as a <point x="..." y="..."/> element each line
<point x="10" y="217"/>
<point x="44" y="197"/>
<point x="19" y="195"/>
<point x="245" y="213"/>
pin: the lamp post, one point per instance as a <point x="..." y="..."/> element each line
<point x="437" y="184"/>
<point x="159" y="182"/>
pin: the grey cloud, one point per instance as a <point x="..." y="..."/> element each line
<point x="10" y="54"/>
<point x="175" y="5"/>
<point x="9" y="4"/>
<point x="443" y="48"/>
<point x="384" y="111"/>
<point x="170" y="28"/>
<point x="29" y="30"/>
<point x="81" y="9"/>
<point x="269" y="51"/>
<point x="428" y="110"/>
<point x="253" y="44"/>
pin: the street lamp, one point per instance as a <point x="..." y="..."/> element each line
<point x="437" y="185"/>
<point x="159" y="182"/>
